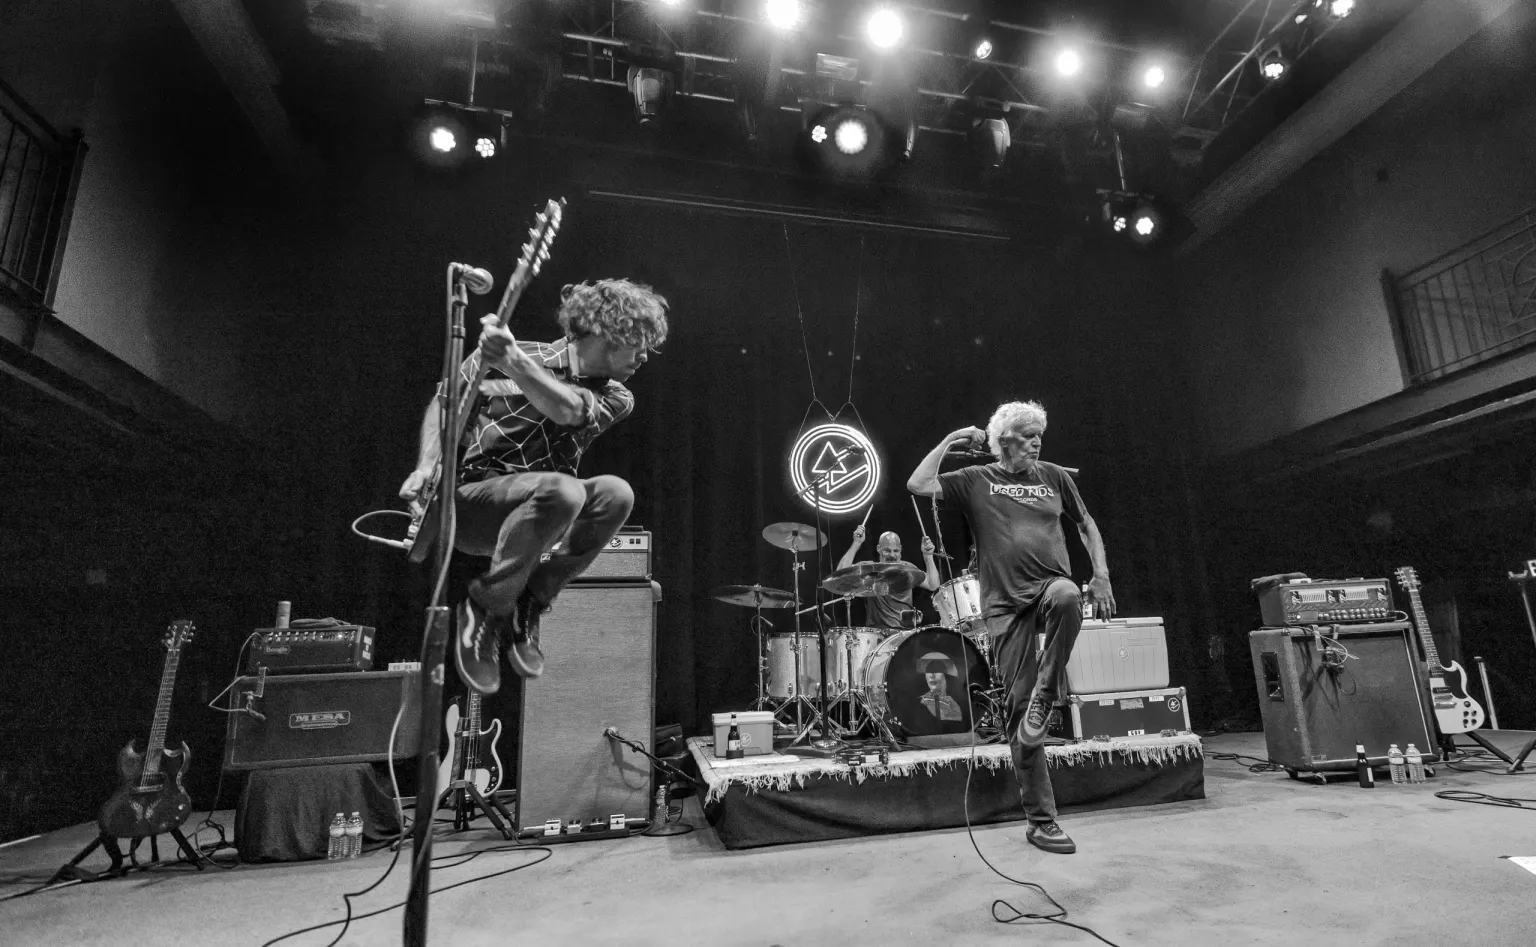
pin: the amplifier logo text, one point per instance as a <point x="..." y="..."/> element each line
<point x="319" y="720"/>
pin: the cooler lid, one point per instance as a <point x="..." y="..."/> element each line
<point x="742" y="717"/>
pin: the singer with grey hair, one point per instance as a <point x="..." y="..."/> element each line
<point x="520" y="501"/>
<point x="1016" y="507"/>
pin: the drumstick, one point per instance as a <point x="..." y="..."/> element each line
<point x="868" y="511"/>
<point x="919" y="512"/>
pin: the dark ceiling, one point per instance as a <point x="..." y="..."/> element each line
<point x="741" y="87"/>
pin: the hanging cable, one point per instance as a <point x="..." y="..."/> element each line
<point x="853" y="347"/>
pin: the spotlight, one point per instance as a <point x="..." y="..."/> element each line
<point x="846" y="140"/>
<point x="485" y="147"/>
<point x="443" y="139"/>
<point x="1153" y="77"/>
<point x="1341" y="8"/>
<point x="1146" y="223"/>
<point x="850" y="136"/>
<point x="1272" y="63"/>
<point x="1069" y="62"/>
<point x="1118" y="224"/>
<point x="983" y="49"/>
<point x="783" y="14"/>
<point x="652" y="89"/>
<point x="885" y="28"/>
<point x="671" y="3"/>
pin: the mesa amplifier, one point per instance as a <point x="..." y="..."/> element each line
<point x="1326" y="602"/>
<point x="311" y="650"/>
<point x="628" y="556"/>
<point x="310" y="719"/>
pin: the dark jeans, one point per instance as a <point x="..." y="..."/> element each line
<point x="517" y="518"/>
<point x="1058" y="614"/>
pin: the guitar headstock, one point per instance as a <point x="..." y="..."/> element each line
<point x="542" y="234"/>
<point x="178" y="633"/>
<point x="1407" y="577"/>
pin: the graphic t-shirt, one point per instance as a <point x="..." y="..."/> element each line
<point x="884" y="611"/>
<point x="1016" y="522"/>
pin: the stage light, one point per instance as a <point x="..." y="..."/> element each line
<point x="485" y="147"/>
<point x="1153" y="77"/>
<point x="1272" y="63"/>
<point x="442" y="139"/>
<point x="885" y="28"/>
<point x="850" y="136"/>
<point x="651" y="89"/>
<point x="983" y="49"/>
<point x="846" y="140"/>
<point x="1146" y="223"/>
<point x="783" y="14"/>
<point x="1118" y="224"/>
<point x="1341" y="8"/>
<point x="1069" y="62"/>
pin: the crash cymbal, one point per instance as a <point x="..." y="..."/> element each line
<point x="753" y="596"/>
<point x="796" y="537"/>
<point x="873" y="578"/>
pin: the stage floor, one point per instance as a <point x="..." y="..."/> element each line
<point x="1262" y="860"/>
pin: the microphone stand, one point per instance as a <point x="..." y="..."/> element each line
<point x="434" y="642"/>
<point x="828" y="744"/>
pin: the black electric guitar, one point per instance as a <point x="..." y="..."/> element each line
<point x="1455" y="712"/>
<point x="474" y="757"/>
<point x="427" y="518"/>
<point x="151" y="799"/>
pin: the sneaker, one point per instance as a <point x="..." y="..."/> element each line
<point x="524" y="653"/>
<point x="1032" y="725"/>
<point x="1048" y="837"/>
<point x="477" y="648"/>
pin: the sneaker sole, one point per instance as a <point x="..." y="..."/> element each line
<point x="468" y="678"/>
<point x="523" y="669"/>
<point x="1068" y="849"/>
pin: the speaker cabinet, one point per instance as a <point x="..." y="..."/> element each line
<point x="1314" y="715"/>
<point x="599" y="671"/>
<point x="311" y="719"/>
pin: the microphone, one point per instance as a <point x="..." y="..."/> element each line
<point x="475" y="280"/>
<point x="967" y="452"/>
<point x="854" y="449"/>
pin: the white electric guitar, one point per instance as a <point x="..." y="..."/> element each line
<point x="474" y="758"/>
<point x="1455" y="712"/>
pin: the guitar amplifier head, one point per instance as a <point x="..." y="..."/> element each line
<point x="628" y="556"/>
<point x="312" y="719"/>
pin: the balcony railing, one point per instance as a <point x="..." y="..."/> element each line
<point x="1470" y="305"/>
<point x="39" y="171"/>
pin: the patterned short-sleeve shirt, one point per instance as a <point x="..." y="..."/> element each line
<point x="510" y="435"/>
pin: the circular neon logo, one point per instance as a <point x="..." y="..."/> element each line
<point x="842" y="463"/>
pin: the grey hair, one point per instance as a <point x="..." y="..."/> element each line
<point x="1008" y="416"/>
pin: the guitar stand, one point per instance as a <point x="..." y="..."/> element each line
<point x="466" y="797"/>
<point x="73" y="872"/>
<point x="1515" y="762"/>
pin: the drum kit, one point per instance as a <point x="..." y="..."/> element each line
<point x="915" y="685"/>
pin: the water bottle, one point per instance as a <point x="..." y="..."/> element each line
<point x="1398" y="764"/>
<point x="1363" y="768"/>
<point x="1415" y="765"/>
<point x="337" y="832"/>
<point x="733" y="741"/>
<point x="354" y="846"/>
<point x="1087" y="605"/>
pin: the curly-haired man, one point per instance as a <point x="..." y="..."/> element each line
<point x="519" y="500"/>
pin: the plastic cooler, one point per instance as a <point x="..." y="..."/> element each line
<point x="1122" y="654"/>
<point x="755" y="726"/>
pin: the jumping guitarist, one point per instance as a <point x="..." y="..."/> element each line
<point x="519" y="498"/>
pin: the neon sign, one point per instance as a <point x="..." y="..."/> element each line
<point x="842" y="463"/>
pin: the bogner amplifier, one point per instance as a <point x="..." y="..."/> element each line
<point x="320" y="650"/>
<point x="1326" y="602"/>
<point x="311" y="719"/>
<point x="628" y="556"/>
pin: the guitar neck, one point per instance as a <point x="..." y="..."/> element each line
<point x="1421" y="623"/>
<point x="472" y="724"/>
<point x="162" y="713"/>
<point x="471" y="393"/>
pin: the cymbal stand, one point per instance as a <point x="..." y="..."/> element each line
<point x="797" y="695"/>
<point x="758" y="621"/>
<point x="828" y="743"/>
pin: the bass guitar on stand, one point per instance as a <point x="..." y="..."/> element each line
<point x="427" y="519"/>
<point x="473" y="761"/>
<point x="1455" y="712"/>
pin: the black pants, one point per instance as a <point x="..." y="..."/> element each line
<point x="1058" y="614"/>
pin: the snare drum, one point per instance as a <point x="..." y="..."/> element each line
<point x="958" y="601"/>
<point x="917" y="682"/>
<point x="856" y="645"/>
<point x="781" y="665"/>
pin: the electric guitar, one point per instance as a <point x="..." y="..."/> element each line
<point x="427" y="517"/>
<point x="151" y="799"/>
<point x="1455" y="712"/>
<point x="474" y="758"/>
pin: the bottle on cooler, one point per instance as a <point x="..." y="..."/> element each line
<point x="733" y="749"/>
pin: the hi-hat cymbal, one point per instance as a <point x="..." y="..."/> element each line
<point x="796" y="537"/>
<point x="753" y="596"/>
<point x="873" y="578"/>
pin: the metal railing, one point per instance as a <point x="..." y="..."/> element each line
<point x="39" y="172"/>
<point x="1470" y="305"/>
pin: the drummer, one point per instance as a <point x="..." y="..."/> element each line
<point x="893" y="610"/>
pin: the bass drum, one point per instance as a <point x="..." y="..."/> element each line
<point x="917" y="681"/>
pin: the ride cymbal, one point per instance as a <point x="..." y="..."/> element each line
<point x="752" y="596"/>
<point x="796" y="537"/>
